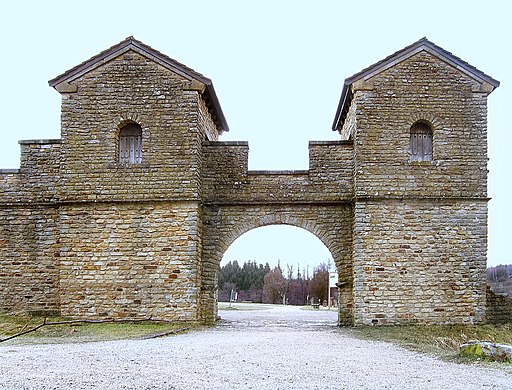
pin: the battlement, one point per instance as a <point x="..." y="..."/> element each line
<point x="329" y="179"/>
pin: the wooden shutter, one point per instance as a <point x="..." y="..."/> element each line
<point x="130" y="144"/>
<point x="421" y="142"/>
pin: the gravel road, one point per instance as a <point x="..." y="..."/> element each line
<point x="278" y="348"/>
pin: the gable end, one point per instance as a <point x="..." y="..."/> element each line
<point x="488" y="84"/>
<point x="62" y="83"/>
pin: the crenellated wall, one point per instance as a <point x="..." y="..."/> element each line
<point x="329" y="178"/>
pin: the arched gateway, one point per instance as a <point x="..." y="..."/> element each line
<point x="128" y="214"/>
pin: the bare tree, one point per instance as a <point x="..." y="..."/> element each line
<point x="275" y="286"/>
<point x="499" y="280"/>
<point x="319" y="283"/>
<point x="290" y="271"/>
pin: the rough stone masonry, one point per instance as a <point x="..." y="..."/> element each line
<point x="129" y="213"/>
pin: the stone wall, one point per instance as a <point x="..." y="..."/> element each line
<point x="10" y="185"/>
<point x="29" y="254"/>
<point x="419" y="261"/>
<point x="40" y="170"/>
<point x="139" y="260"/>
<point x="38" y="177"/>
<point x="29" y="232"/>
<point x="499" y="307"/>
<point x="86" y="235"/>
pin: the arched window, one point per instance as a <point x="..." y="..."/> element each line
<point x="421" y="142"/>
<point x="130" y="144"/>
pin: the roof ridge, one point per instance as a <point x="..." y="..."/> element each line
<point x="57" y="79"/>
<point x="169" y="59"/>
<point x="417" y="44"/>
<point x="131" y="43"/>
<point x="105" y="54"/>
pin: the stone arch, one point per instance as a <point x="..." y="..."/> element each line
<point x="122" y="122"/>
<point x="126" y="119"/>
<point x="331" y="224"/>
<point x="274" y="220"/>
<point x="431" y="120"/>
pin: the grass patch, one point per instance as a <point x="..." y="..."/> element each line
<point x="440" y="340"/>
<point x="81" y="332"/>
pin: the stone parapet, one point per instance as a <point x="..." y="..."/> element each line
<point x="499" y="307"/>
<point x="10" y="185"/>
<point x="329" y="178"/>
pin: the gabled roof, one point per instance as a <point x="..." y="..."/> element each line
<point x="422" y="45"/>
<point x="131" y="43"/>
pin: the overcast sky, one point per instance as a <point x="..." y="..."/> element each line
<point x="277" y="67"/>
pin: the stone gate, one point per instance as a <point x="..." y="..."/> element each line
<point x="129" y="213"/>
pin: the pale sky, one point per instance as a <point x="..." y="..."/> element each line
<point x="277" y="67"/>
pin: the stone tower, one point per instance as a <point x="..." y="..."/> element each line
<point x="418" y="121"/>
<point x="116" y="228"/>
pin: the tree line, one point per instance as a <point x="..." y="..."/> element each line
<point x="500" y="279"/>
<point x="260" y="283"/>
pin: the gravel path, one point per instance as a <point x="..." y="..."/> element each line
<point x="279" y="348"/>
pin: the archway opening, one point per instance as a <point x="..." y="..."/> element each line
<point x="279" y="273"/>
